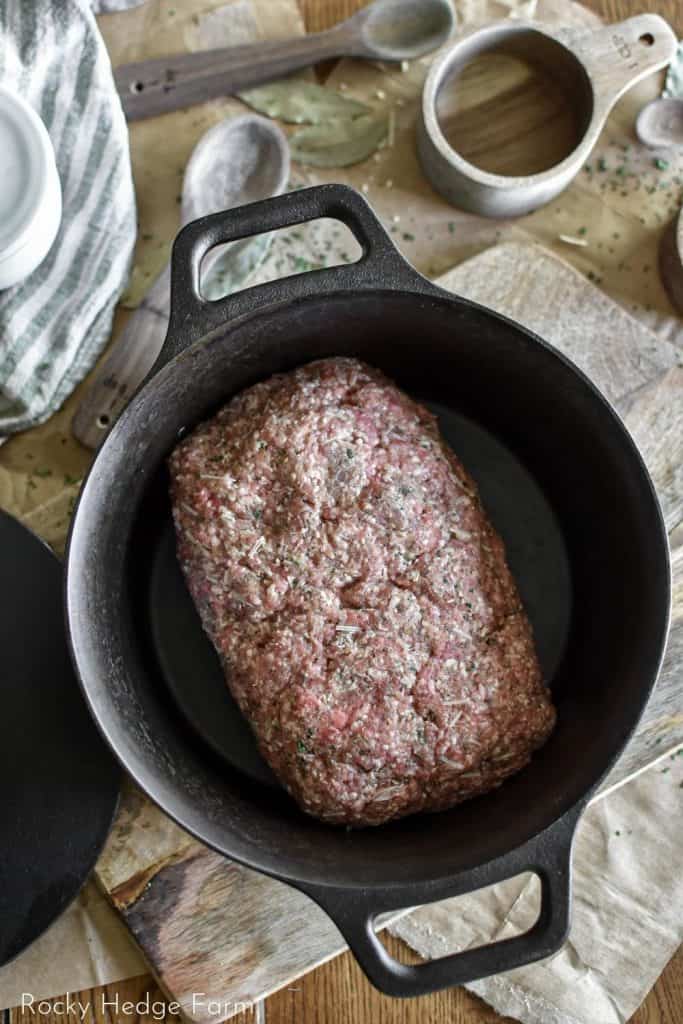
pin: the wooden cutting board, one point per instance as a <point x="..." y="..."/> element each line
<point x="219" y="936"/>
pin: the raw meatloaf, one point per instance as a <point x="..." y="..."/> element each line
<point x="358" y="597"/>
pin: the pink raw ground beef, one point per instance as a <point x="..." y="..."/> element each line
<point x="358" y="597"/>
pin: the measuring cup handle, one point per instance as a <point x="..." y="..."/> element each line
<point x="619" y="55"/>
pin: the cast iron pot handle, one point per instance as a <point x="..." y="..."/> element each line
<point x="548" y="856"/>
<point x="192" y="316"/>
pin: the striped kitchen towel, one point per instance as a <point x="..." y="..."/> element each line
<point x="54" y="324"/>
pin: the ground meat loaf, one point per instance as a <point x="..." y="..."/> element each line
<point x="358" y="597"/>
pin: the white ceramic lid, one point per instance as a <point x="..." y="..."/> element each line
<point x="26" y="168"/>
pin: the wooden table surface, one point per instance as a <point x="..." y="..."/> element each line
<point x="338" y="992"/>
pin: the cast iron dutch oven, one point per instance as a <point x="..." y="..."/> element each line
<point x="564" y="485"/>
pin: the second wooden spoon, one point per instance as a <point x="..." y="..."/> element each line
<point x="237" y="161"/>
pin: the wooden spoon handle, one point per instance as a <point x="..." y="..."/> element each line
<point x="127" y="365"/>
<point x="157" y="86"/>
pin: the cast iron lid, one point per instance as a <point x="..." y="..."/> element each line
<point x="58" y="783"/>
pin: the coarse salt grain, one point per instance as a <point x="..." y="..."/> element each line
<point x="572" y="240"/>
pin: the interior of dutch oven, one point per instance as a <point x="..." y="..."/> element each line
<point x="533" y="405"/>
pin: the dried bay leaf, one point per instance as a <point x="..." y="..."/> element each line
<point x="299" y="102"/>
<point x="339" y="143"/>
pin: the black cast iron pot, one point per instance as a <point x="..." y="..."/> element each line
<point x="564" y="485"/>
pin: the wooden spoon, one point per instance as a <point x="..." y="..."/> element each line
<point x="660" y="123"/>
<point x="671" y="260"/>
<point x="391" y="30"/>
<point x="237" y="161"/>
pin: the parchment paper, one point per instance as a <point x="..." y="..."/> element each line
<point x="621" y="212"/>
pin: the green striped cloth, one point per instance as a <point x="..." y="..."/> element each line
<point x="54" y="324"/>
